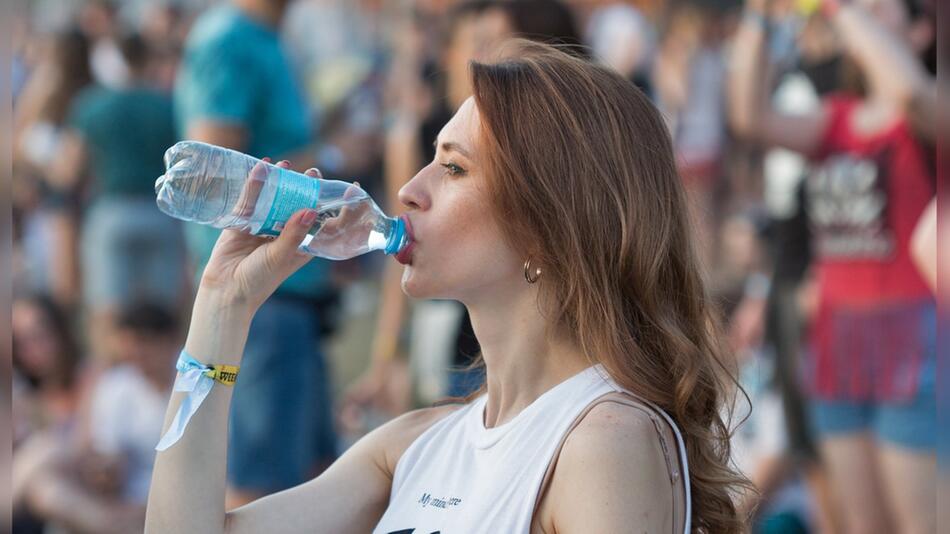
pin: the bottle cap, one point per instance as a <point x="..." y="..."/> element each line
<point x="397" y="239"/>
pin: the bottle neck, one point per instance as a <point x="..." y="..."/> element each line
<point x="397" y="237"/>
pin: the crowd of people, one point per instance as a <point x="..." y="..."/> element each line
<point x="803" y="135"/>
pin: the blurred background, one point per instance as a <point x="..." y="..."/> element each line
<point x="804" y="139"/>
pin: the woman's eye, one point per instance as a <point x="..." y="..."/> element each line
<point x="453" y="169"/>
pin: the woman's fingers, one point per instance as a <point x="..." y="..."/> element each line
<point x="352" y="191"/>
<point x="330" y="227"/>
<point x="285" y="248"/>
<point x="251" y="191"/>
<point x="351" y="212"/>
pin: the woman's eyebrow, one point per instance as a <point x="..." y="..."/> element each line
<point x="450" y="145"/>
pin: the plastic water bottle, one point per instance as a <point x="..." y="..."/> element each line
<point x="224" y="188"/>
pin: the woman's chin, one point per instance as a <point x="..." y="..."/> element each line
<point x="416" y="286"/>
<point x="409" y="283"/>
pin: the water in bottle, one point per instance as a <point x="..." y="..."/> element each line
<point x="224" y="188"/>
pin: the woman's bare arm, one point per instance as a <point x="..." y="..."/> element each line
<point x="751" y="115"/>
<point x="893" y="72"/>
<point x="188" y="484"/>
<point x="350" y="496"/>
<point x="188" y="480"/>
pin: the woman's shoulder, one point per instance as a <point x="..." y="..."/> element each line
<point x="617" y="434"/>
<point x="612" y="470"/>
<point x="394" y="437"/>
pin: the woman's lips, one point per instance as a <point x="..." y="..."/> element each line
<point x="405" y="255"/>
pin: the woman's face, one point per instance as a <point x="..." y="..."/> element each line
<point x="459" y="251"/>
<point x="36" y="344"/>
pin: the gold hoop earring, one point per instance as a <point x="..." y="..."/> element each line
<point x="527" y="272"/>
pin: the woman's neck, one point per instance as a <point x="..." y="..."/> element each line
<point x="523" y="358"/>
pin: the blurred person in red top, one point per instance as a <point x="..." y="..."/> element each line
<point x="872" y="367"/>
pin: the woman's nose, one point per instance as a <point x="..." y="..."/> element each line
<point x="414" y="195"/>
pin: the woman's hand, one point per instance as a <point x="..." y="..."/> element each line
<point x="246" y="269"/>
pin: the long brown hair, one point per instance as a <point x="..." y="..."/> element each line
<point x="69" y="55"/>
<point x="581" y="172"/>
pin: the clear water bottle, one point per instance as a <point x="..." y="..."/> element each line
<point x="224" y="188"/>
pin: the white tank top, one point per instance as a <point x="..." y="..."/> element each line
<point x="460" y="477"/>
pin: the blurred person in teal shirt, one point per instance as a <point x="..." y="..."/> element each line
<point x="236" y="89"/>
<point x="112" y="153"/>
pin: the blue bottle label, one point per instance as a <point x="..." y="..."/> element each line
<point x="294" y="192"/>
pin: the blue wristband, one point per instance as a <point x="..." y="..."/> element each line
<point x="196" y="379"/>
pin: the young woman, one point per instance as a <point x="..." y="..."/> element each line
<point x="552" y="210"/>
<point x="873" y="360"/>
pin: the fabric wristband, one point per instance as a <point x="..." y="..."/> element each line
<point x="196" y="379"/>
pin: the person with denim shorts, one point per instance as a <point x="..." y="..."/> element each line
<point x="235" y="88"/>
<point x="871" y="174"/>
<point x="903" y="413"/>
<point x="872" y="369"/>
